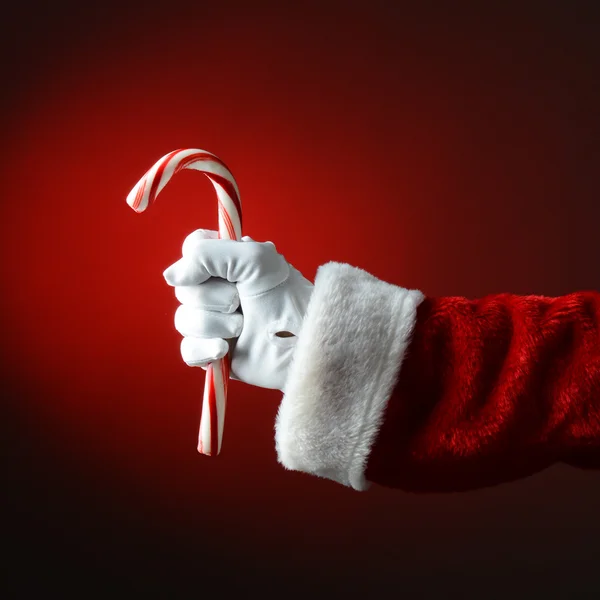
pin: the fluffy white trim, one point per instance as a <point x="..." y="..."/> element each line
<point x="346" y="362"/>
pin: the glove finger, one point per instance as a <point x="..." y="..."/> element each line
<point x="198" y="352"/>
<point x="215" y="294"/>
<point x="195" y="322"/>
<point x="257" y="267"/>
<point x="188" y="270"/>
<point x="200" y="234"/>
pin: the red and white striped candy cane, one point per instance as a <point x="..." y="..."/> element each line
<point x="140" y="198"/>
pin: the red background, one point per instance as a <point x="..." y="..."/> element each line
<point x="454" y="152"/>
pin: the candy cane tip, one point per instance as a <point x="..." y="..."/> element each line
<point x="136" y="198"/>
<point x="131" y="201"/>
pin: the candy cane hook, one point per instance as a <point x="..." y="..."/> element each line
<point x="142" y="195"/>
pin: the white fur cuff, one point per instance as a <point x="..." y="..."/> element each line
<point x="345" y="366"/>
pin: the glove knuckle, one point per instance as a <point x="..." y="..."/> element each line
<point x="254" y="251"/>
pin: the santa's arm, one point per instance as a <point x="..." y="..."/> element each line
<point x="423" y="394"/>
<point x="492" y="390"/>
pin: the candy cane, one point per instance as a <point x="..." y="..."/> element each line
<point x="140" y="198"/>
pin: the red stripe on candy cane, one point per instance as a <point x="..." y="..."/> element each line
<point x="227" y="222"/>
<point x="140" y="194"/>
<point x="225" y="372"/>
<point x="226" y="219"/>
<point x="198" y="157"/>
<point x="230" y="191"/>
<point x="158" y="176"/>
<point x="213" y="414"/>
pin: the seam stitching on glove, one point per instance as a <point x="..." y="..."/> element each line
<point x="269" y="290"/>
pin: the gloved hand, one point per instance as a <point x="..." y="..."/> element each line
<point x="239" y="296"/>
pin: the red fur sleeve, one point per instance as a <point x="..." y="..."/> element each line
<point x="491" y="390"/>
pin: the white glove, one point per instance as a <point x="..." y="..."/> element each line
<point x="239" y="296"/>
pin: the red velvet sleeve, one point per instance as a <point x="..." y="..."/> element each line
<point x="492" y="390"/>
